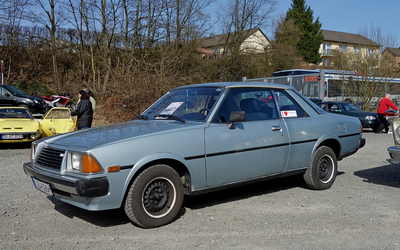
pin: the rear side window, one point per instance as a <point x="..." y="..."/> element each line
<point x="287" y="106"/>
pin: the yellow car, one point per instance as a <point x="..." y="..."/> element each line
<point x="57" y="121"/>
<point x="17" y="125"/>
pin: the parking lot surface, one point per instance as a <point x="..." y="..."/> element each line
<point x="360" y="211"/>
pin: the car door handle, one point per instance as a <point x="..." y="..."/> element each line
<point x="276" y="128"/>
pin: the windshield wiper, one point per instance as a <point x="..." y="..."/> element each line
<point x="142" y="117"/>
<point x="173" y="117"/>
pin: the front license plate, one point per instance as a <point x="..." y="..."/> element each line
<point x="10" y="137"/>
<point x="44" y="187"/>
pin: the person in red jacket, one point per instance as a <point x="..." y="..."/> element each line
<point x="384" y="104"/>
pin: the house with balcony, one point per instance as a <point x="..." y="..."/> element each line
<point x="391" y="60"/>
<point x="360" y="47"/>
<point x="248" y="41"/>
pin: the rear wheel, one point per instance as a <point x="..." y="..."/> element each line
<point x="322" y="170"/>
<point x="155" y="197"/>
<point x="23" y="106"/>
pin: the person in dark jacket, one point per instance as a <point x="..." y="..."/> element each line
<point x="84" y="111"/>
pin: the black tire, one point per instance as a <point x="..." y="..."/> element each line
<point x="155" y="197"/>
<point x="322" y="170"/>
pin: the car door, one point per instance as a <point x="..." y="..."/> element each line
<point x="57" y="121"/>
<point x="303" y="130"/>
<point x="255" y="148"/>
<point x="6" y="98"/>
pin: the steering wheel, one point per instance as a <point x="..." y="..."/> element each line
<point x="204" y="110"/>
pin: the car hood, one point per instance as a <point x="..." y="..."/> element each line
<point x="93" y="137"/>
<point x="31" y="97"/>
<point x="18" y="125"/>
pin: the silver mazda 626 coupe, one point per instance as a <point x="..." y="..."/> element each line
<point x="193" y="140"/>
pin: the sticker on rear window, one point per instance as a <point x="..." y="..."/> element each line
<point x="289" y="113"/>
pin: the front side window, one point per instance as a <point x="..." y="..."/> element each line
<point x="257" y="103"/>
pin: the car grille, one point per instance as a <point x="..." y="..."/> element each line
<point x="51" y="158"/>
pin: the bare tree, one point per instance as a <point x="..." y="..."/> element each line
<point x="49" y="14"/>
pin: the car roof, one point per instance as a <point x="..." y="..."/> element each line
<point x="238" y="84"/>
<point x="334" y="102"/>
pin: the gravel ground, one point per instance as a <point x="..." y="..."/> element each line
<point x="360" y="211"/>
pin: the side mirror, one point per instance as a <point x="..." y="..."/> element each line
<point x="7" y="95"/>
<point x="236" y="116"/>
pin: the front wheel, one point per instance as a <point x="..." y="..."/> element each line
<point x="322" y="170"/>
<point x="155" y="197"/>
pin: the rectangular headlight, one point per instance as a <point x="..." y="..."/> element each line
<point x="82" y="163"/>
<point x="74" y="162"/>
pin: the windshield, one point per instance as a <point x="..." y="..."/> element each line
<point x="14" y="90"/>
<point x="56" y="113"/>
<point x="184" y="104"/>
<point x="15" y="113"/>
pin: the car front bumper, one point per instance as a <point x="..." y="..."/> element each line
<point x="69" y="186"/>
<point x="26" y="137"/>
<point x="38" y="109"/>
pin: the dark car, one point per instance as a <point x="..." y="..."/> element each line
<point x="11" y="96"/>
<point x="368" y="119"/>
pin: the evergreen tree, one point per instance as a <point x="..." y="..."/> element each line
<point x="311" y="37"/>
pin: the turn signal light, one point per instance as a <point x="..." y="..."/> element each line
<point x="90" y="165"/>
<point x="113" y="169"/>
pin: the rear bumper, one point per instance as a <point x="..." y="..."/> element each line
<point x="68" y="186"/>
<point x="360" y="144"/>
<point x="394" y="153"/>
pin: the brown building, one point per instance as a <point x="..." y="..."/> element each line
<point x="359" y="47"/>
<point x="391" y="59"/>
<point x="252" y="41"/>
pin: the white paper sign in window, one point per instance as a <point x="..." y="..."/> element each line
<point x="289" y="113"/>
<point x="171" y="108"/>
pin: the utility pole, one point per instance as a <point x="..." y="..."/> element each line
<point x="2" y="78"/>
